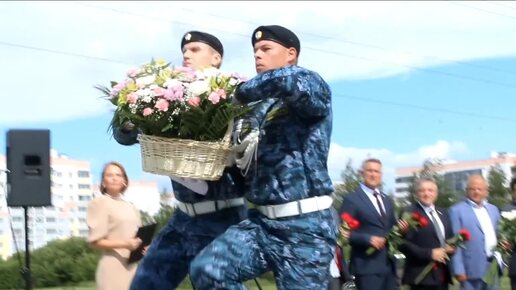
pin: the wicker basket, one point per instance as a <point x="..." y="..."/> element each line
<point x="185" y="158"/>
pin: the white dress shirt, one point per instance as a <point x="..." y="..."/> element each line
<point x="486" y="225"/>
<point x="430" y="211"/>
<point x="370" y="193"/>
<point x="334" y="269"/>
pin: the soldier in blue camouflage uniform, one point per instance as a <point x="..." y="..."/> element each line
<point x="290" y="229"/>
<point x="206" y="208"/>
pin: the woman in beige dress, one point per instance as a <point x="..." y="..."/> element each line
<point x="113" y="223"/>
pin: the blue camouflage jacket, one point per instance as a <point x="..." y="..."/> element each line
<point x="230" y="185"/>
<point x="291" y="162"/>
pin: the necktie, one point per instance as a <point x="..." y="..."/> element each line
<point x="437" y="227"/>
<point x="382" y="211"/>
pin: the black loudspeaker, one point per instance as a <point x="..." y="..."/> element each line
<point x="28" y="162"/>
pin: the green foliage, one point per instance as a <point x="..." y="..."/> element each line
<point x="162" y="217"/>
<point x="146" y="218"/>
<point x="498" y="193"/>
<point x="10" y="277"/>
<point x="60" y="262"/>
<point x="350" y="181"/>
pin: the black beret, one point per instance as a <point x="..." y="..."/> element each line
<point x="277" y="34"/>
<point x="197" y="36"/>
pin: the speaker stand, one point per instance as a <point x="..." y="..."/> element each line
<point x="25" y="271"/>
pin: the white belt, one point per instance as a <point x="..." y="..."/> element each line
<point x="297" y="207"/>
<point x="204" y="207"/>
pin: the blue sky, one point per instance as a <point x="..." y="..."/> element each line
<point x="405" y="86"/>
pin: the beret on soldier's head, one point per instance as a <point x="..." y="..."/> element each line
<point x="197" y="36"/>
<point x="277" y="34"/>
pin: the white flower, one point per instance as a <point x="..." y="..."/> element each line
<point x="198" y="88"/>
<point x="169" y="83"/>
<point x="146" y="95"/>
<point x="210" y="72"/>
<point x="146" y="80"/>
<point x="233" y="82"/>
<point x="133" y="108"/>
<point x="509" y="215"/>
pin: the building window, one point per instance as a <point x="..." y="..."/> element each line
<point x="82" y="208"/>
<point x="83" y="173"/>
<point x="17" y="219"/>
<point x="82" y="220"/>
<point x="51" y="220"/>
<point x="84" y="197"/>
<point x="84" y="186"/>
<point x="51" y="232"/>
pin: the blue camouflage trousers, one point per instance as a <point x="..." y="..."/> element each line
<point x="168" y="258"/>
<point x="297" y="249"/>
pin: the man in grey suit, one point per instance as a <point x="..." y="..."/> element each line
<point x="512" y="263"/>
<point x="470" y="264"/>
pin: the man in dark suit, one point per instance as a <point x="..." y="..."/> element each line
<point x="428" y="244"/>
<point x="375" y="212"/>
<point x="512" y="263"/>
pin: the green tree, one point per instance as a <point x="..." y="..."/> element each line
<point x="10" y="277"/>
<point x="146" y="218"/>
<point x="64" y="262"/>
<point x="162" y="217"/>
<point x="447" y="197"/>
<point x="350" y="181"/>
<point x="498" y="192"/>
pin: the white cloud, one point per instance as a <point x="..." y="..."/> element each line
<point x="357" y="40"/>
<point x="441" y="149"/>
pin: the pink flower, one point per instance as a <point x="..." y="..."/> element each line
<point x="194" y="101"/>
<point x="222" y="93"/>
<point x="132" y="98"/>
<point x="161" y="105"/>
<point x="239" y="77"/>
<point x="183" y="69"/>
<point x="133" y="72"/>
<point x="186" y="72"/>
<point x="159" y="91"/>
<point x="147" y="111"/>
<point x="174" y="93"/>
<point x="118" y="87"/>
<point x="215" y="96"/>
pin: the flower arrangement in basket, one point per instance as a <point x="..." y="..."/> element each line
<point x="184" y="115"/>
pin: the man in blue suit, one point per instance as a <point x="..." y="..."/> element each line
<point x="475" y="214"/>
<point x="512" y="263"/>
<point x="375" y="212"/>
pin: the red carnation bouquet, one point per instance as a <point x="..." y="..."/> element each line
<point x="395" y="236"/>
<point x="456" y="241"/>
<point x="349" y="223"/>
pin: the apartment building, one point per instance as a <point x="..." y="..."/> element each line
<point x="456" y="173"/>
